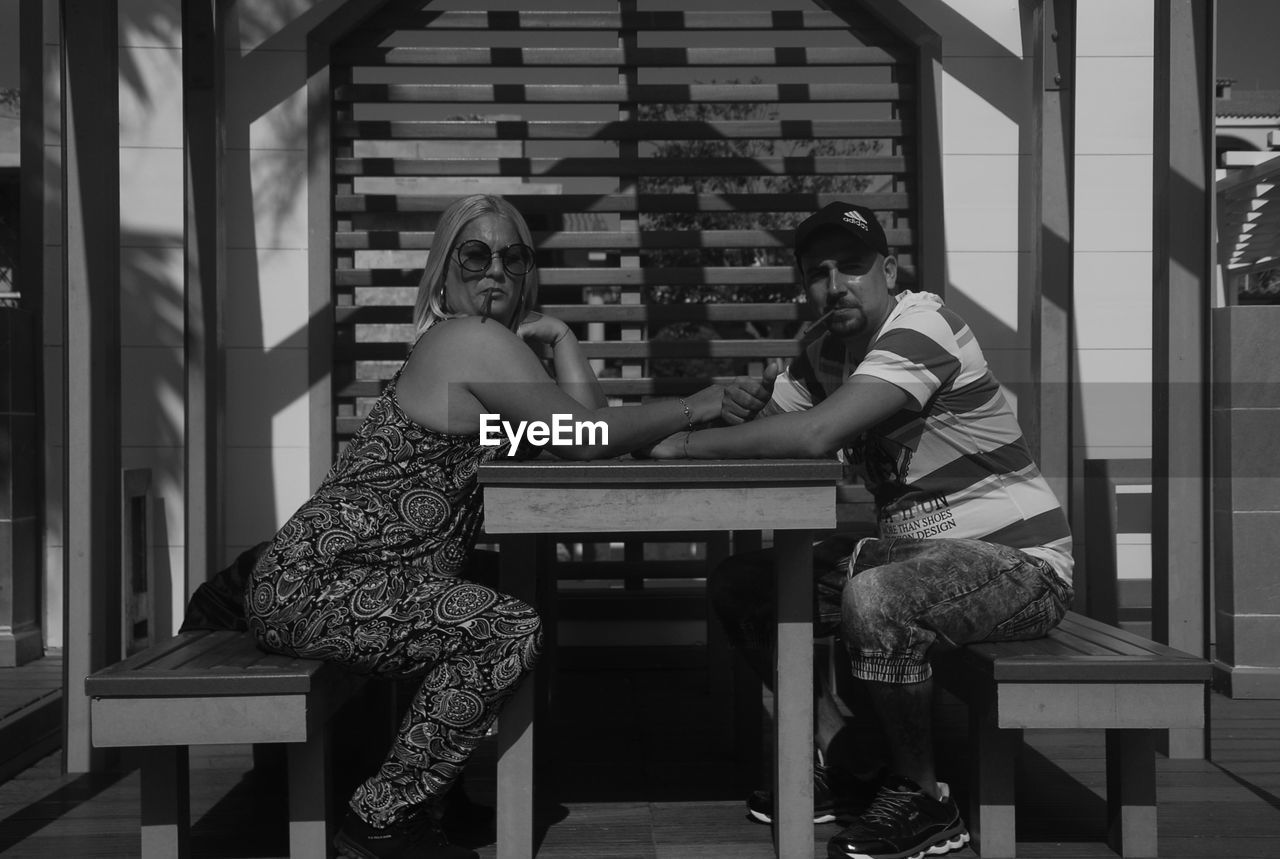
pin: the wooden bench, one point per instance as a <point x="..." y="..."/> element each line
<point x="1085" y="674"/>
<point x="210" y="688"/>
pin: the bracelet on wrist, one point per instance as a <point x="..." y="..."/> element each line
<point x="686" y="443"/>
<point x="688" y="414"/>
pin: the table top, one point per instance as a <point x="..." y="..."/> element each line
<point x="548" y="471"/>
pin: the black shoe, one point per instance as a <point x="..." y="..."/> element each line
<point x="421" y="838"/>
<point x="902" y="823"/>
<point x="836" y="795"/>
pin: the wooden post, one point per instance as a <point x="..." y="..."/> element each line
<point x="793" y="695"/>
<point x="21" y="363"/>
<point x="204" y="242"/>
<point x="1182" y="280"/>
<point x="343" y="18"/>
<point x="320" y="259"/>
<point x="1049" y="432"/>
<point x="26" y="512"/>
<point x="91" y="245"/>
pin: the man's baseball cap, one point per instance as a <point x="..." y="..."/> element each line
<point x="858" y="221"/>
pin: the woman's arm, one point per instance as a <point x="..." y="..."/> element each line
<point x="510" y="388"/>
<point x="573" y="373"/>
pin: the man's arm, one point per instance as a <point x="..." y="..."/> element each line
<point x="854" y="407"/>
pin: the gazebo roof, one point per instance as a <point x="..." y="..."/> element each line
<point x="1249" y="218"/>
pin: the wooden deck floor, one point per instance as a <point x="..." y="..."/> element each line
<point x="640" y="770"/>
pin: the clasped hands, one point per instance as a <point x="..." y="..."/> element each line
<point x="740" y="401"/>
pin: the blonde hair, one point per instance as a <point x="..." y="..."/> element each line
<point x="430" y="306"/>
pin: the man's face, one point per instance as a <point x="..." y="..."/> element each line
<point x="839" y="272"/>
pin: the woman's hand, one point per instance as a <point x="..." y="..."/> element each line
<point x="570" y="367"/>
<point x="705" y="404"/>
<point x="671" y="447"/>
<point x="539" y="328"/>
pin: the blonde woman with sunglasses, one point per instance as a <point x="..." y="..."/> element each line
<point x="371" y="572"/>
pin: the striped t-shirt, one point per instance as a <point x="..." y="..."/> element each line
<point x="954" y="464"/>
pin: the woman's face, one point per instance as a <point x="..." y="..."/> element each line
<point x="467" y="292"/>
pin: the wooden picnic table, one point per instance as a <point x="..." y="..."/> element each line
<point x="793" y="498"/>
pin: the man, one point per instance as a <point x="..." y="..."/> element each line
<point x="972" y="544"/>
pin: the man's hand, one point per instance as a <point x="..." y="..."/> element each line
<point x="745" y="396"/>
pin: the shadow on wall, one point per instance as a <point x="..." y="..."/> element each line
<point x="152" y="389"/>
<point x="264" y="176"/>
<point x="265" y="197"/>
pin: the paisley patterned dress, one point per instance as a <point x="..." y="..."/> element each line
<point x="365" y="574"/>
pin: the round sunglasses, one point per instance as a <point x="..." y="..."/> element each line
<point x="474" y="256"/>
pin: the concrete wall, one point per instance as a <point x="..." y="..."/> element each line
<point x="1113" y="245"/>
<point x="151" y="282"/>
<point x="985" y="150"/>
<point x="1246" y="501"/>
<point x="265" y="313"/>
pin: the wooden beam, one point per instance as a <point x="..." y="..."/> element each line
<point x="91" y="247"/>
<point x="1182" y="282"/>
<point x="343" y="19"/>
<point x="320" y="266"/>
<point x="205" y="245"/>
<point x="31" y="283"/>
<point x="32" y="184"/>
<point x="1052" y="250"/>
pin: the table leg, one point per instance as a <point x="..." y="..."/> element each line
<point x="517" y="577"/>
<point x="793" y="749"/>
<point x="166" y="803"/>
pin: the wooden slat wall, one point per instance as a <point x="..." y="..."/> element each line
<point x="662" y="158"/>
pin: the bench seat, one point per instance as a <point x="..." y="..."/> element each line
<point x="211" y="688"/>
<point x="1084" y="674"/>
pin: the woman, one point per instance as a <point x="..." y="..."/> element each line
<point x="366" y="573"/>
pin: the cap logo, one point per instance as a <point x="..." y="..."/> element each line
<point x="855" y="218"/>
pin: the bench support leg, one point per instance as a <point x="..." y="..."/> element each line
<point x="309" y="795"/>
<point x="991" y="819"/>
<point x="166" y="803"/>
<point x="1131" y="792"/>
